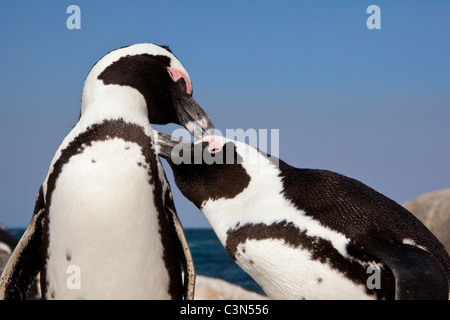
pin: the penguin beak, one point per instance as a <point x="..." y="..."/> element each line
<point x="190" y="114"/>
<point x="169" y="147"/>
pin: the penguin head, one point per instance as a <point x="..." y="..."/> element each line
<point x="213" y="167"/>
<point x="143" y="80"/>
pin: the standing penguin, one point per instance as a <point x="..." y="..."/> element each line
<point x="104" y="225"/>
<point x="304" y="233"/>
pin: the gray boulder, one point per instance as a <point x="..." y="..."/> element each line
<point x="433" y="209"/>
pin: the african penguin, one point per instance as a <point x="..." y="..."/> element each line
<point x="305" y="233"/>
<point x="104" y="224"/>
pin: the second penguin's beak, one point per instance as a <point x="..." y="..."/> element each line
<point x="169" y="147"/>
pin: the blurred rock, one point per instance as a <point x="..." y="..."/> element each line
<point x="433" y="209"/>
<point x="217" y="289"/>
<point x="7" y="245"/>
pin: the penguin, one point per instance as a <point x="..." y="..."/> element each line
<point x="307" y="233"/>
<point x="104" y="224"/>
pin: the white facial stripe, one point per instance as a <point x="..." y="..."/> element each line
<point x="136" y="49"/>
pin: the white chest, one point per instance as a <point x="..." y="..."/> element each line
<point x="285" y="272"/>
<point x="104" y="239"/>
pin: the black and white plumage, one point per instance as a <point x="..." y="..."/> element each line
<point x="304" y="233"/>
<point x="105" y="206"/>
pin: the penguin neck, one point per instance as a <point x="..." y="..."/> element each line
<point x="114" y="102"/>
<point x="260" y="202"/>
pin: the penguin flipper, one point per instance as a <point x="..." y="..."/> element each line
<point x="187" y="260"/>
<point x="25" y="261"/>
<point x="418" y="276"/>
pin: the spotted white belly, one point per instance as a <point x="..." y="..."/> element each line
<point x="104" y="240"/>
<point x="285" y="272"/>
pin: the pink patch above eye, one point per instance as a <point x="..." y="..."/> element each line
<point x="176" y="74"/>
<point x="213" y="145"/>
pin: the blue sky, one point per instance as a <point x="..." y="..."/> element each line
<point x="370" y="104"/>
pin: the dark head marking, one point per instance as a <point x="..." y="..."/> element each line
<point x="148" y="74"/>
<point x="162" y="81"/>
<point x="202" y="178"/>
